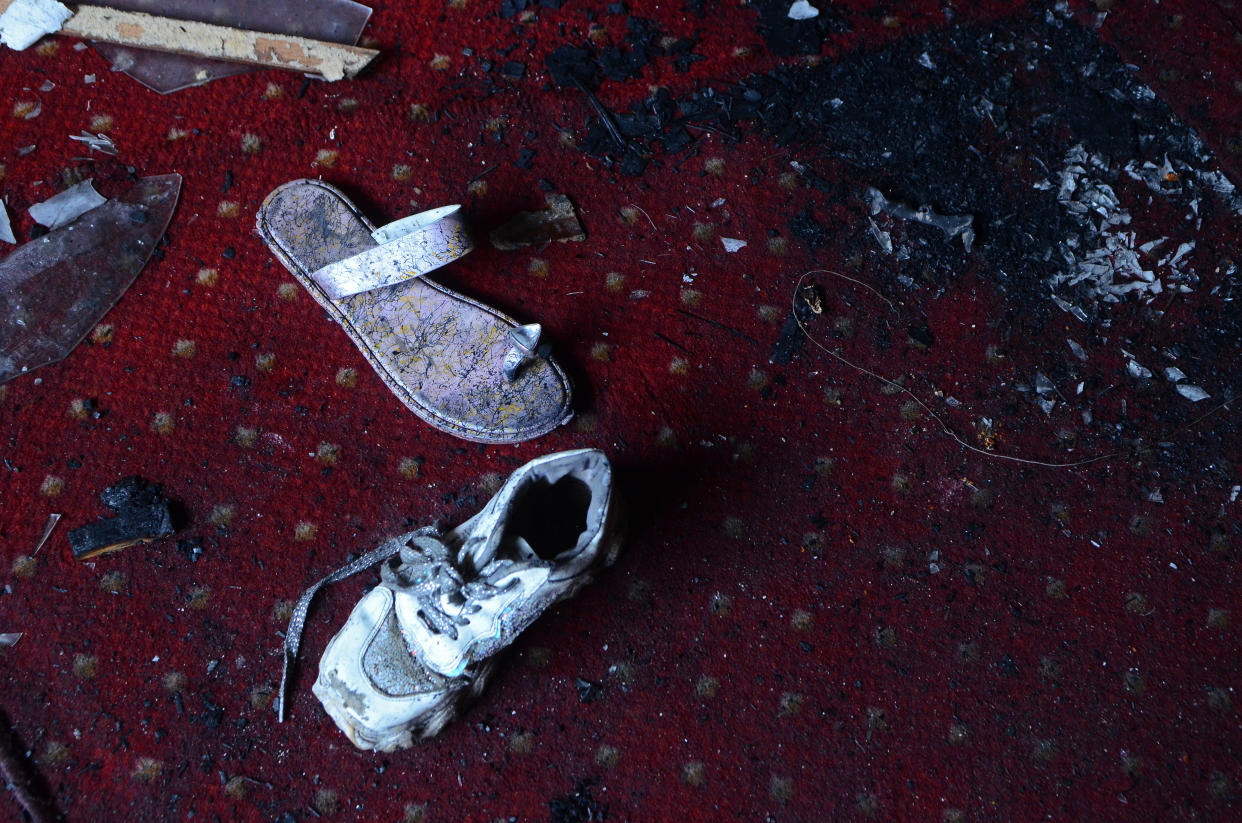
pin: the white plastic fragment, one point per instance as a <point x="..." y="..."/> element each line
<point x="6" y="228"/>
<point x="1192" y="393"/>
<point x="882" y="237"/>
<point x="67" y="206"/>
<point x="96" y="142"/>
<point x="25" y="21"/>
<point x="802" y="10"/>
<point x="732" y="244"/>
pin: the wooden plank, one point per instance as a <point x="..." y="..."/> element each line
<point x="331" y="61"/>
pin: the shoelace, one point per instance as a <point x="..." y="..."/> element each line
<point x="293" y="637"/>
<point x="427" y="573"/>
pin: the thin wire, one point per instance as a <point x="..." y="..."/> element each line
<point x="943" y="425"/>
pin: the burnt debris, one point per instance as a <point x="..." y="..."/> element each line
<point x="143" y="514"/>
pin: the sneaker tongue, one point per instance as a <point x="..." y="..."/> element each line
<point x="522" y="550"/>
<point x="477" y="554"/>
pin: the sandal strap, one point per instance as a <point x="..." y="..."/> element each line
<point x="408" y="248"/>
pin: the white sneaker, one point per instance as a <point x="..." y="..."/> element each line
<point x="462" y="599"/>
<point x="422" y="643"/>
<point x="377" y="692"/>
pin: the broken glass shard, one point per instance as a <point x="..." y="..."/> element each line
<point x="336" y="21"/>
<point x="53" y="290"/>
<point x="6" y="229"/>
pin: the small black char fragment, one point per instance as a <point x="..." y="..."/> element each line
<point x="213" y="714"/>
<point x="588" y="691"/>
<point x="570" y="67"/>
<point x="578" y="806"/>
<point x="512" y="8"/>
<point x="513" y="70"/>
<point x="805" y="227"/>
<point x="229" y="253"/>
<point x="191" y="547"/>
<point x="792" y="338"/>
<point x="525" y="158"/>
<point x="921" y="333"/>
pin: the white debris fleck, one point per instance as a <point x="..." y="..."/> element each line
<point x="6" y="228"/>
<point x="1192" y="393"/>
<point x="1233" y="493"/>
<point x="926" y="62"/>
<point x="67" y="206"/>
<point x="1078" y="350"/>
<point x="1174" y="374"/>
<point x="1136" y="370"/>
<point x="802" y="10"/>
<point x="882" y="237"/>
<point x="96" y="142"/>
<point x="732" y="244"/>
<point x="1120" y="264"/>
<point x="25" y="21"/>
<point x="1070" y="308"/>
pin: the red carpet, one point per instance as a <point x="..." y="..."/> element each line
<point x="829" y="607"/>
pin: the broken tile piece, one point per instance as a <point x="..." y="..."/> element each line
<point x="62" y="209"/>
<point x="142" y="515"/>
<point x="25" y="21"/>
<point x="530" y="228"/>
